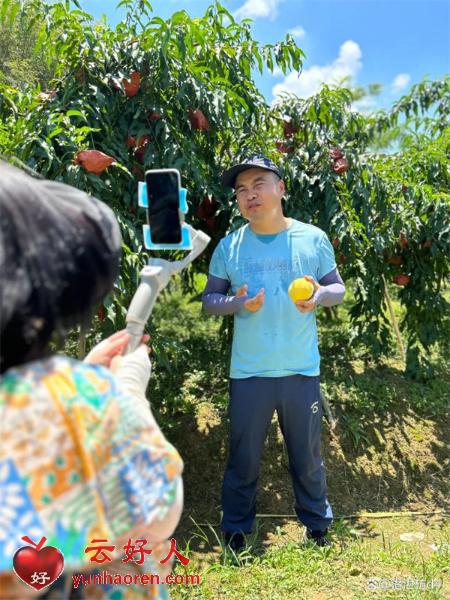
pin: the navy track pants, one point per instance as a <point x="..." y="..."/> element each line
<point x="253" y="400"/>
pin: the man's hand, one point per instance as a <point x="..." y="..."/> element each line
<point x="252" y="304"/>
<point x="305" y="306"/>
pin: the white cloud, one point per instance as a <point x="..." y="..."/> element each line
<point x="400" y="82"/>
<point x="298" y="32"/>
<point x="258" y="8"/>
<point x="346" y="65"/>
<point x="277" y="72"/>
<point x="365" y="106"/>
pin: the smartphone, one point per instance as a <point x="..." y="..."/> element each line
<point x="163" y="187"/>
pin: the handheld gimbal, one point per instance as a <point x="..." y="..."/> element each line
<point x="156" y="274"/>
<point x="154" y="278"/>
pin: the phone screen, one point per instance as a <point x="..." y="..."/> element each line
<point x="163" y="205"/>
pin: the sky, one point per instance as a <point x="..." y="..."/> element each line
<point x="395" y="43"/>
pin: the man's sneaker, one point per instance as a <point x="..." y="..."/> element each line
<point x="235" y="541"/>
<point x="319" y="537"/>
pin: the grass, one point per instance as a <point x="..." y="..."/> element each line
<point x="367" y="554"/>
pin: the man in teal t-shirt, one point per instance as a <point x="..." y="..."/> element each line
<point x="275" y="357"/>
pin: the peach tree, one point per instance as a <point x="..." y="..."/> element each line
<point x="150" y="93"/>
<point x="180" y="92"/>
<point x="386" y="213"/>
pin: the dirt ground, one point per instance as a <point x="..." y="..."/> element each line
<point x="404" y="467"/>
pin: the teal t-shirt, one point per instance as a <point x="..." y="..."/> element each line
<point x="277" y="340"/>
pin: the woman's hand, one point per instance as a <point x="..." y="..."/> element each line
<point x="114" y="345"/>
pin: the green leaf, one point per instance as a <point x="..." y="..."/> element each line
<point x="75" y="113"/>
<point x="55" y="132"/>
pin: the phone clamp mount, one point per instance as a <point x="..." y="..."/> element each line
<point x="186" y="242"/>
<point x="157" y="273"/>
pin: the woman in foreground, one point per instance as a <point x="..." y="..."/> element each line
<point x="81" y="456"/>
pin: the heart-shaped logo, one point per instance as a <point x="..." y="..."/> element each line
<point x="38" y="567"/>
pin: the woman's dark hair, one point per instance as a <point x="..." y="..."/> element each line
<point x="59" y="257"/>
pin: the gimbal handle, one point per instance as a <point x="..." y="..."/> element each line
<point x="154" y="278"/>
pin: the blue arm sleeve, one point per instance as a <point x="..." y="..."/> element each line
<point x="332" y="289"/>
<point x="215" y="300"/>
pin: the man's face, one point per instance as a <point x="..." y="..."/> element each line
<point x="259" y="194"/>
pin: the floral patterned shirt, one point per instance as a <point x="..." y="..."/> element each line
<point x="81" y="460"/>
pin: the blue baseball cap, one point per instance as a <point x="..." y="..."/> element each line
<point x="258" y="161"/>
